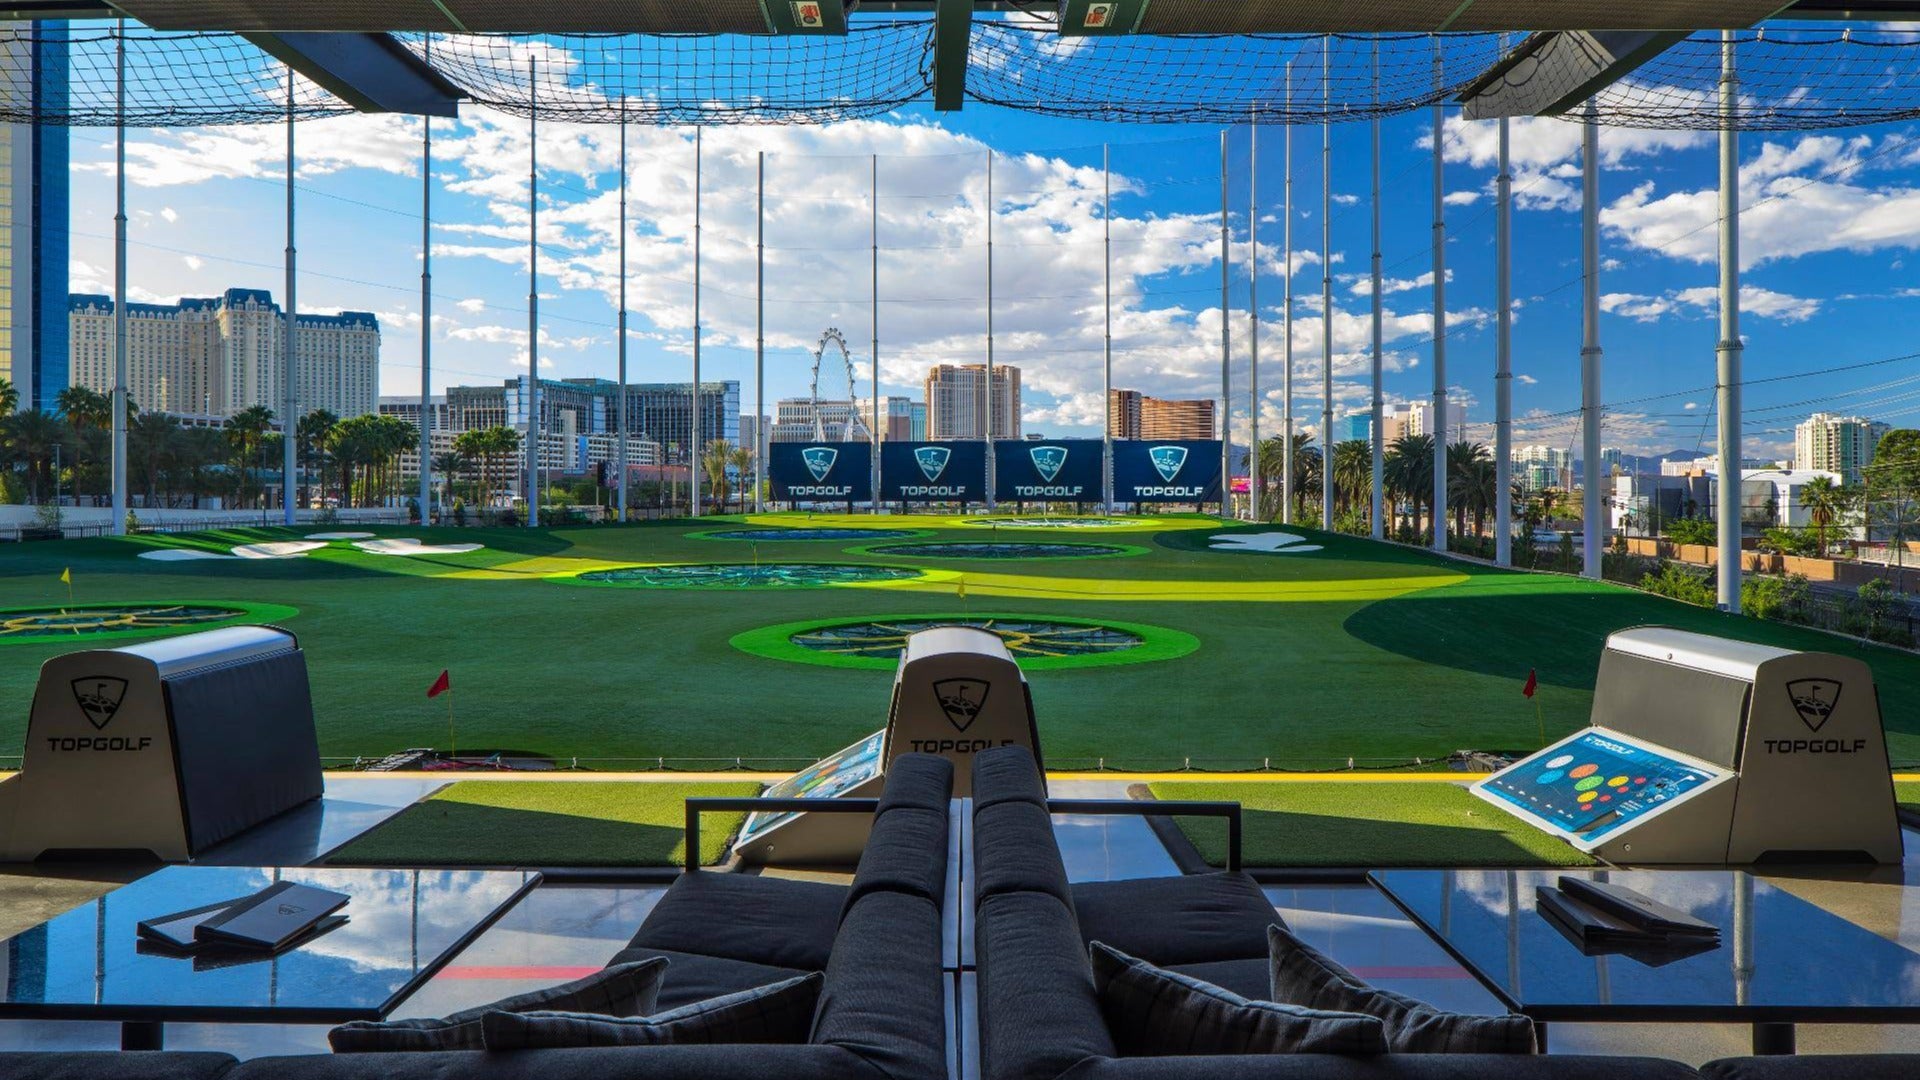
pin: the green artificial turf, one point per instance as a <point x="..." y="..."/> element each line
<point x="614" y="677"/>
<point x="1906" y="793"/>
<point x="1366" y="825"/>
<point x="548" y="823"/>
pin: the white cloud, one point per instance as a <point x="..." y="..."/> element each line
<point x="194" y="262"/>
<point x="168" y="213"/>
<point x="1704" y="300"/>
<point x="1544" y="153"/>
<point x="1527" y="380"/>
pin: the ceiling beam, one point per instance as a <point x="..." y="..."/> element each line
<point x="952" y="35"/>
<point x="1549" y="74"/>
<point x="371" y="72"/>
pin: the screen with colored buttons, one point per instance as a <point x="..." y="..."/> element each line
<point x="1593" y="785"/>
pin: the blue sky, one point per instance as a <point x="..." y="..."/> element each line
<point x="1831" y="225"/>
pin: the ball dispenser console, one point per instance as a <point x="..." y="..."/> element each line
<point x="1704" y="750"/>
<point x="167" y="747"/>
<point x="956" y="692"/>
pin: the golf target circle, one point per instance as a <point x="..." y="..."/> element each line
<point x="988" y="549"/>
<point x="54" y="624"/>
<point x="1051" y="523"/>
<point x="743" y="575"/>
<point x="1038" y="643"/>
<point x="791" y="535"/>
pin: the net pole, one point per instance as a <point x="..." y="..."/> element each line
<point x="873" y="236"/>
<point x="1255" y="486"/>
<point x="760" y="435"/>
<point x="1326" y="286"/>
<point x="992" y="502"/>
<point x="1590" y="353"/>
<point x="1439" y="308"/>
<point x="426" y="318"/>
<point x="695" y="450"/>
<point x="1226" y="343"/>
<point x="1287" y="494"/>
<point x="120" y="280"/>
<point x="1503" y="354"/>
<point x="620" y="411"/>
<point x="1377" y="420"/>
<point x="1729" y="352"/>
<point x="289" y="401"/>
<point x="1106" y="357"/>
<point x="533" y="293"/>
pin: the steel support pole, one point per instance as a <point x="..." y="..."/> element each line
<point x="1590" y="354"/>
<point x="693" y="436"/>
<point x="533" y="294"/>
<point x="1287" y="494"/>
<point x="1226" y="342"/>
<point x="1439" y="311"/>
<point x="1503" y="355"/>
<point x="992" y="502"/>
<point x="289" y="399"/>
<point x="873" y="235"/>
<point x="1106" y="352"/>
<point x="1326" y="291"/>
<point x="1729" y="351"/>
<point x="426" y="319"/>
<point x="1256" y="482"/>
<point x="760" y="436"/>
<point x="620" y="419"/>
<point x="120" y="280"/>
<point x="1376" y="413"/>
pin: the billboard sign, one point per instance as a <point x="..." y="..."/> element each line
<point x="1181" y="470"/>
<point x="821" y="472"/>
<point x="933" y="472"/>
<point x="1057" y="469"/>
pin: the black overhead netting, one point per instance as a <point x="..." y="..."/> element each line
<point x="1790" y="79"/>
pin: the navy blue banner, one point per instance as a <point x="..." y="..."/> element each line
<point x="821" y="472"/>
<point x="933" y="472"/>
<point x="1058" y="470"/>
<point x="1185" y="471"/>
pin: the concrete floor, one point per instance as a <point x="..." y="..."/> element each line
<point x="563" y="931"/>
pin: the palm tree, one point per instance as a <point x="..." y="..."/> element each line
<point x="1409" y="473"/>
<point x="87" y="412"/>
<point x="9" y="397"/>
<point x="1467" y="489"/>
<point x="1825" y="502"/>
<point x="741" y="458"/>
<point x="714" y="464"/>
<point x="1353" y="473"/>
<point x="247" y="430"/>
<point x="450" y="466"/>
<point x="31" y="437"/>
<point x="310" y="447"/>
<point x="152" y="441"/>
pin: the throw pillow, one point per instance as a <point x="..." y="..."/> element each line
<point x="1305" y="976"/>
<point x="780" y="1012"/>
<point x="1154" y="1012"/>
<point x="620" y="990"/>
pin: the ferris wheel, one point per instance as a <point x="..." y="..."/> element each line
<point x="854" y="428"/>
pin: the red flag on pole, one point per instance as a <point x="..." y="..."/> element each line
<point x="443" y="684"/>
<point x="1533" y="682"/>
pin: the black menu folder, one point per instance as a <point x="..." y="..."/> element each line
<point x="271" y="918"/>
<point x="1636" y="909"/>
<point x="175" y="931"/>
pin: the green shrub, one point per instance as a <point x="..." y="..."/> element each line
<point x="1790" y="542"/>
<point x="1681" y="583"/>
<point x="1353" y="522"/>
<point x="1693" y="531"/>
<point x="1780" y="598"/>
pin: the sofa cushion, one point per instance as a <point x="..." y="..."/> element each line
<point x="703" y="1062"/>
<point x="113" y="1065"/>
<point x="1815" y="1067"/>
<point x="1014" y="850"/>
<point x="1302" y="975"/>
<point x="1038" y="1013"/>
<point x="778" y="1013"/>
<point x="1172" y="921"/>
<point x="906" y="852"/>
<point x="1153" y="1012"/>
<point x="884" y="997"/>
<point x="1250" y="978"/>
<point x="779" y="922"/>
<point x="1007" y="774"/>
<point x="921" y="781"/>
<point x="692" y="977"/>
<point x="1383" y="1067"/>
<point x="624" y="989"/>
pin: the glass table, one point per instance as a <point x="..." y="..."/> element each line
<point x="403" y="926"/>
<point x="1780" y="960"/>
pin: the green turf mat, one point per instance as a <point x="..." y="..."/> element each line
<point x="1907" y="794"/>
<point x="548" y="823"/>
<point x="1368" y="825"/>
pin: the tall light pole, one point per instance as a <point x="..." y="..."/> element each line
<point x="1106" y="351"/>
<point x="289" y="402"/>
<point x="1376" y="433"/>
<point x="1256" y="486"/>
<point x="693" y="437"/>
<point x="1503" y="356"/>
<point x="621" y="420"/>
<point x="1287" y="494"/>
<point x="120" y="280"/>
<point x="1326" y="288"/>
<point x="992" y="501"/>
<point x="1590" y="350"/>
<point x="1730" y="349"/>
<point x="873" y="236"/>
<point x="533" y="293"/>
<point x="426" y="320"/>
<point x="760" y="435"/>
<point x="1226" y="342"/>
<point x="1439" y="309"/>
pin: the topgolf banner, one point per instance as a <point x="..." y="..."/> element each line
<point x="821" y="472"/>
<point x="1186" y="471"/>
<point x="933" y="471"/>
<point x="1057" y="470"/>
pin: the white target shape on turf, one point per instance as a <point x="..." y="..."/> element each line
<point x="409" y="546"/>
<point x="283" y="549"/>
<point x="1271" y="543"/>
<point x="183" y="555"/>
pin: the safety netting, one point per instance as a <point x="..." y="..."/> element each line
<point x="1790" y="78"/>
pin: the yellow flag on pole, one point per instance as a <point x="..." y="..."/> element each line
<point x="66" y="576"/>
<point x="963" y="588"/>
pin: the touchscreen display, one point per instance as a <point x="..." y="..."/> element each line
<point x="1595" y="784"/>
<point x="825" y="779"/>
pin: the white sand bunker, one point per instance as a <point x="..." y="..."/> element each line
<point x="339" y="536"/>
<point x="1272" y="543"/>
<point x="282" y="549"/>
<point x="409" y="546"/>
<point x="182" y="555"/>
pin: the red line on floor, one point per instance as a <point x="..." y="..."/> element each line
<point x="510" y="971"/>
